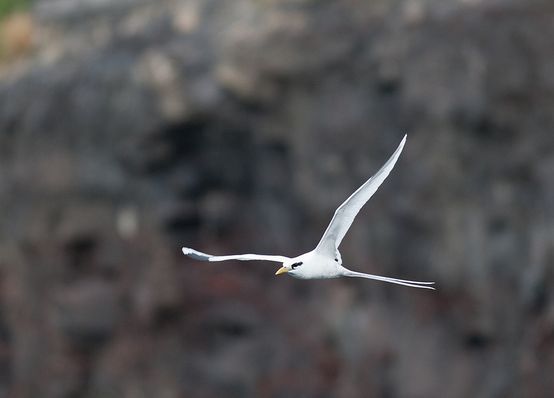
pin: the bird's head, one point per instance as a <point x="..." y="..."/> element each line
<point x="289" y="267"/>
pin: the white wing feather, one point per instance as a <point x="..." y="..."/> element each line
<point x="242" y="257"/>
<point x="346" y="212"/>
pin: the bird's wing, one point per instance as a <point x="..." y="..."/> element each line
<point x="345" y="214"/>
<point x="242" y="257"/>
<point x="421" y="285"/>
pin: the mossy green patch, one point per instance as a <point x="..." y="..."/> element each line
<point x="9" y="6"/>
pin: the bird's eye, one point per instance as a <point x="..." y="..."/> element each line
<point x="293" y="266"/>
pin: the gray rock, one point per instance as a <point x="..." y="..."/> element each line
<point x="137" y="126"/>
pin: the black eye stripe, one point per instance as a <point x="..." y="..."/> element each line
<point x="293" y="266"/>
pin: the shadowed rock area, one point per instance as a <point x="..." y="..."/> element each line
<point x="130" y="128"/>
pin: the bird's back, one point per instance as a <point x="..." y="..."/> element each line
<point x="317" y="266"/>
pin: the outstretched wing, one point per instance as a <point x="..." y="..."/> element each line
<point x="242" y="257"/>
<point x="421" y="285"/>
<point x="345" y="214"/>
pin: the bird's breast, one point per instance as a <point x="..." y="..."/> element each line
<point x="317" y="267"/>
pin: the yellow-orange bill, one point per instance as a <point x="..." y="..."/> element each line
<point x="281" y="270"/>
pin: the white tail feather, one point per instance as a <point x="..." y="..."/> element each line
<point x="421" y="285"/>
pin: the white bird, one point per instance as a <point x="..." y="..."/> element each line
<point x="325" y="260"/>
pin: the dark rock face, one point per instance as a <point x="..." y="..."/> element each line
<point x="137" y="127"/>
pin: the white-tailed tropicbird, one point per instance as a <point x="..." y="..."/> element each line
<point x="325" y="260"/>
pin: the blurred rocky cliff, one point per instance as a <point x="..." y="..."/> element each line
<point x="129" y="128"/>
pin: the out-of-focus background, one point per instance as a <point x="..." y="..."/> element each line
<point x="129" y="128"/>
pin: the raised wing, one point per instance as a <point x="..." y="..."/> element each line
<point x="242" y="257"/>
<point x="345" y="214"/>
<point x="421" y="285"/>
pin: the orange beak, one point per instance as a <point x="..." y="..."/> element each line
<point x="282" y="270"/>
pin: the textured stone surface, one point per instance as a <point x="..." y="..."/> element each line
<point x="134" y="127"/>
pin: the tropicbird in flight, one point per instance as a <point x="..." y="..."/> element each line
<point x="325" y="260"/>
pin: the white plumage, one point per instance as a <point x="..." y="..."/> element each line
<point x="325" y="260"/>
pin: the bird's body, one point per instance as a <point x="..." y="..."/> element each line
<point x="325" y="262"/>
<point x="315" y="266"/>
